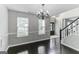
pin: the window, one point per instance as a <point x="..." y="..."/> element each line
<point x="41" y="26"/>
<point x="22" y="26"/>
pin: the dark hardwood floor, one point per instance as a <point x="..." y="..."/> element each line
<point x="67" y="50"/>
<point x="32" y="48"/>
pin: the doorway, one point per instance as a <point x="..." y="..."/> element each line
<point x="52" y="28"/>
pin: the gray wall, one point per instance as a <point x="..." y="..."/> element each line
<point x="33" y="28"/>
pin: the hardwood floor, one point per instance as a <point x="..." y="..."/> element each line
<point x="67" y="50"/>
<point x="31" y="48"/>
<point x="41" y="47"/>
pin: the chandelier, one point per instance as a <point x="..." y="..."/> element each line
<point x="42" y="13"/>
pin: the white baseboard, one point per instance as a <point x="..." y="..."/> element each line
<point x="70" y="46"/>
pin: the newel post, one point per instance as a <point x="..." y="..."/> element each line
<point x="60" y="41"/>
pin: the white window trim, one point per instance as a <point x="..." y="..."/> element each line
<point x="25" y="28"/>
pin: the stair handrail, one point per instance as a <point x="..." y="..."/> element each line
<point x="62" y="30"/>
<point x="69" y="24"/>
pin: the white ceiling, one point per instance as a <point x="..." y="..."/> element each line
<point x="54" y="9"/>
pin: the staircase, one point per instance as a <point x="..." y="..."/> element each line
<point x="69" y="35"/>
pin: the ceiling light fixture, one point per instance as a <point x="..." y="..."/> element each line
<point x="42" y="13"/>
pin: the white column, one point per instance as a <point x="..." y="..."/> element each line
<point x="3" y="28"/>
